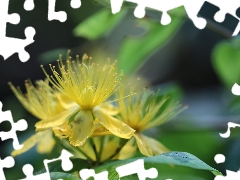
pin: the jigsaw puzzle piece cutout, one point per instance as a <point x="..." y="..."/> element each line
<point x="28" y="171"/>
<point x="219" y="158"/>
<point x="7" y="162"/>
<point x="5" y="17"/>
<point x="140" y="11"/>
<point x="8" y="45"/>
<point x="20" y="125"/>
<point x="238" y="12"/>
<point x="191" y="7"/>
<point x="116" y="5"/>
<point x="29" y="5"/>
<point x="66" y="166"/>
<point x="236" y="89"/>
<point x="87" y="173"/>
<point x="211" y="13"/>
<point x="197" y="11"/>
<point x="13" y="45"/>
<point x="230" y="175"/>
<point x="75" y="4"/>
<point x="137" y="167"/>
<point x="230" y="125"/>
<point x="13" y="18"/>
<point x="53" y="15"/>
<point x="65" y="158"/>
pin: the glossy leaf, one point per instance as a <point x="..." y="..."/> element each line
<point x="98" y="24"/>
<point x="173" y="158"/>
<point x="226" y="61"/>
<point x="61" y="175"/>
<point x="135" y="51"/>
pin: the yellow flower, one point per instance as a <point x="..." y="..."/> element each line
<point x="89" y="85"/>
<point x="144" y="111"/>
<point x="103" y="148"/>
<point x="41" y="102"/>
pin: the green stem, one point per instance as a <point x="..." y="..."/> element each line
<point x="101" y="148"/>
<point x="95" y="150"/>
<point x="118" y="149"/>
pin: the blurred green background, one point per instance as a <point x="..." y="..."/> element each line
<point x="198" y="66"/>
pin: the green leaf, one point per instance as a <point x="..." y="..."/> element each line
<point x="135" y="51"/>
<point x="99" y="24"/>
<point x="174" y="158"/>
<point x="52" y="55"/>
<point x="56" y="166"/>
<point x="226" y="61"/>
<point x="171" y="89"/>
<point x="235" y="103"/>
<point x="61" y="175"/>
<point x="103" y="2"/>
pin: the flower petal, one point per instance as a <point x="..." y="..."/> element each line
<point x="143" y="146"/>
<point x="73" y="150"/>
<point x="30" y="142"/>
<point x="110" y="109"/>
<point x="157" y="147"/>
<point x="62" y="131"/>
<point x="109" y="150"/>
<point x="100" y="130"/>
<point x="114" y="125"/>
<point x="106" y="146"/>
<point x="65" y="101"/>
<point x="56" y="120"/>
<point x="98" y="142"/>
<point x="127" y="151"/>
<point x="47" y="143"/>
<point x="82" y="128"/>
<point x="87" y="151"/>
<point x="149" y="146"/>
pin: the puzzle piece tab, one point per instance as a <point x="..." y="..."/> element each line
<point x="61" y="15"/>
<point x="53" y="15"/>
<point x="137" y="167"/>
<point x="87" y="173"/>
<point x="66" y="166"/>
<point x="139" y="11"/>
<point x="210" y="12"/>
<point x="7" y="162"/>
<point x="230" y="125"/>
<point x="220" y="158"/>
<point x="75" y="4"/>
<point x="29" y="5"/>
<point x="8" y="45"/>
<point x="222" y="14"/>
<point x="236" y="89"/>
<point x="230" y="175"/>
<point x="28" y="171"/>
<point x="21" y="125"/>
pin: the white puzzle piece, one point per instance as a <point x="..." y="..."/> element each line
<point x="87" y="173"/>
<point x="66" y="166"/>
<point x="20" y="125"/>
<point x="9" y="45"/>
<point x="137" y="167"/>
<point x="7" y="162"/>
<point x="192" y="9"/>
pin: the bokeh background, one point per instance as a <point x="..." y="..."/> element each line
<point x="198" y="66"/>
